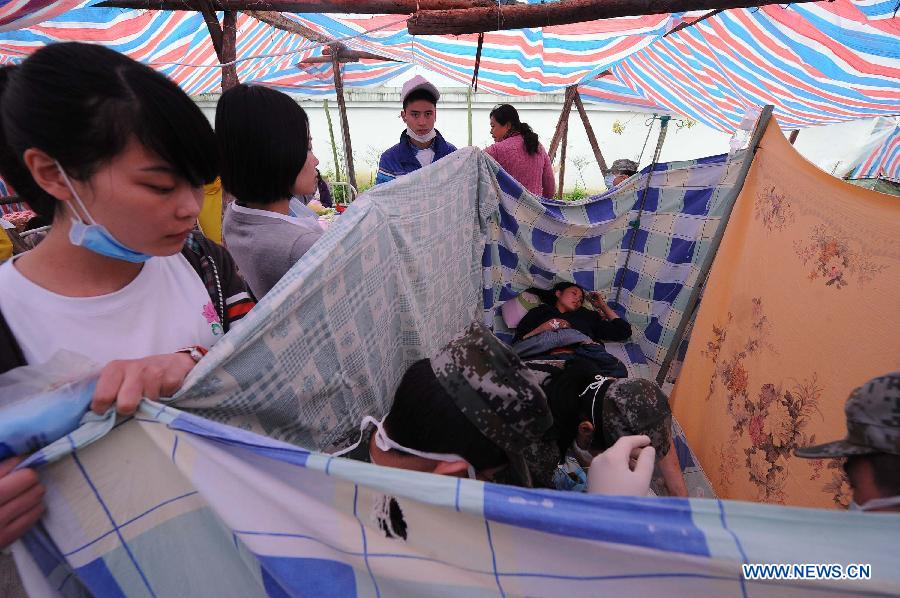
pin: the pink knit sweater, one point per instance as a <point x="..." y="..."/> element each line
<point x="534" y="172"/>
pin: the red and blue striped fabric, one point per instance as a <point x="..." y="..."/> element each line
<point x="884" y="162"/>
<point x="817" y="63"/>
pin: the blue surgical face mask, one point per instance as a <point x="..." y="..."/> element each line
<point x="295" y="206"/>
<point x="608" y="179"/>
<point x="95" y="237"/>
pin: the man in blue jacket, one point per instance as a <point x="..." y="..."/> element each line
<point x="420" y="144"/>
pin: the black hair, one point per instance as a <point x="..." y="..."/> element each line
<point x="419" y="94"/>
<point x="424" y="417"/>
<point x="506" y="114"/>
<point x="571" y="405"/>
<point x="886" y="471"/>
<point x="81" y="104"/>
<point x="263" y="138"/>
<point x="548" y="296"/>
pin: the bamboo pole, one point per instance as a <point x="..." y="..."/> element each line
<point x="345" y="124"/>
<point x="592" y="139"/>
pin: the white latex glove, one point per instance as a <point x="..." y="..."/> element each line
<point x="611" y="472"/>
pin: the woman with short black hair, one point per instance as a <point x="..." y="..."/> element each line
<point x="267" y="158"/>
<point x="116" y="156"/>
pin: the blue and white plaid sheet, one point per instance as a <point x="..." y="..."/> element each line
<point x="172" y="504"/>
<point x="540" y="242"/>
<point x="169" y="504"/>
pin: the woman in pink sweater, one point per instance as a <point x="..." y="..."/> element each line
<point x="519" y="152"/>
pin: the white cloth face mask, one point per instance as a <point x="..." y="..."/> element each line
<point x="876" y="503"/>
<point x="385" y="443"/>
<point x="421" y="138"/>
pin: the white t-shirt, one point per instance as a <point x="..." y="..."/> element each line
<point x="425" y="156"/>
<point x="164" y="309"/>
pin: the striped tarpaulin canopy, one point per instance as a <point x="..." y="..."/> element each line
<point x="817" y="63"/>
<point x="884" y="161"/>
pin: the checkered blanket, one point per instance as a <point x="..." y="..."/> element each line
<point x="169" y="504"/>
<point x="663" y="235"/>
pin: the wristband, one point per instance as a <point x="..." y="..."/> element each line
<point x="195" y="352"/>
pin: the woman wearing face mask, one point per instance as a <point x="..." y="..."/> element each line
<point x="116" y="155"/>
<point x="519" y="152"/>
<point x="267" y="159"/>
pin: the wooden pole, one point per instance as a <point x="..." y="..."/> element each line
<point x="469" y="111"/>
<point x="337" y="165"/>
<point x="522" y="16"/>
<point x="224" y="40"/>
<point x="345" y="124"/>
<point x="794" y="134"/>
<point x="345" y="57"/>
<point x="563" y="118"/>
<point x="229" y="50"/>
<point x="402" y="7"/>
<point x="592" y="139"/>
<point x="562" y="160"/>
<point x="279" y="21"/>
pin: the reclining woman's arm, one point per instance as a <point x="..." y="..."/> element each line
<point x="608" y="326"/>
<point x="534" y="319"/>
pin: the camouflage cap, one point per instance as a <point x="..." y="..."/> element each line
<point x="495" y="391"/>
<point x="637" y="406"/>
<point x="624" y="165"/>
<point x="873" y="422"/>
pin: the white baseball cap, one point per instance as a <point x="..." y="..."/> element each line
<point x="418" y="82"/>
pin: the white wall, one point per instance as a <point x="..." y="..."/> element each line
<point x="375" y="125"/>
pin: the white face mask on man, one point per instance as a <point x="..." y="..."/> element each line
<point x="427" y="137"/>
<point x="385" y="443"/>
<point x="876" y="503"/>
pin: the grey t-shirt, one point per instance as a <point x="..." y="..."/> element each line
<point x="266" y="244"/>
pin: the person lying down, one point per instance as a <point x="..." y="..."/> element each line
<point x="562" y="328"/>
<point x="474" y="409"/>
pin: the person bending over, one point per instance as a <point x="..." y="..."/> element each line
<point x="591" y="412"/>
<point x="470" y="410"/>
<point x="267" y="158"/>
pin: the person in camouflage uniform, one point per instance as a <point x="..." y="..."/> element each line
<point x="872" y="444"/>
<point x="591" y="412"/>
<point x="473" y="406"/>
<point x="497" y="393"/>
<point x="620" y="170"/>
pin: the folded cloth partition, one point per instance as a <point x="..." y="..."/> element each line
<point x="169" y="504"/>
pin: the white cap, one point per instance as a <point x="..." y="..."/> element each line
<point x="418" y="82"/>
